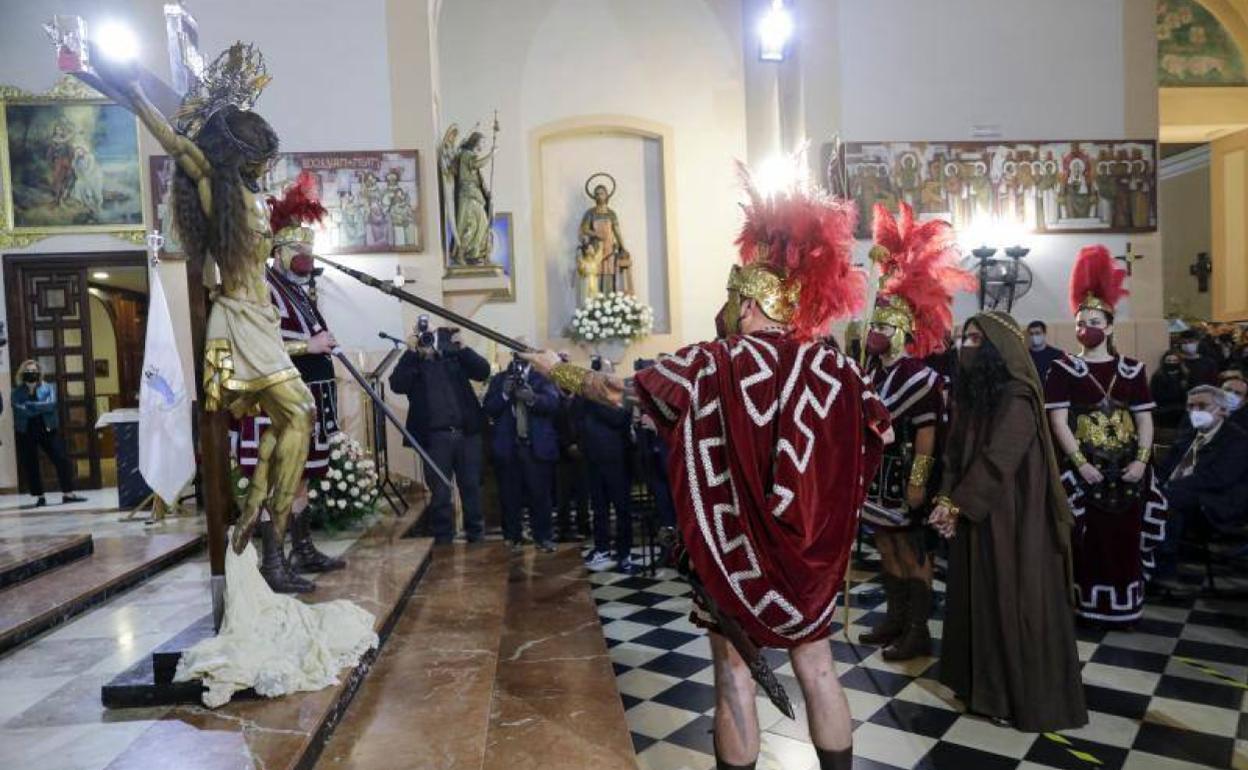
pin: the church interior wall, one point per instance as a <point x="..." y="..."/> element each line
<point x="1186" y="231"/>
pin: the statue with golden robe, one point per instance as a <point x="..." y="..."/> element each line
<point x="603" y="264"/>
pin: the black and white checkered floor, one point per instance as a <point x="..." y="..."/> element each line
<point x="1169" y="695"/>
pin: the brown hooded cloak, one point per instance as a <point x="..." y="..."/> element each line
<point x="1008" y="648"/>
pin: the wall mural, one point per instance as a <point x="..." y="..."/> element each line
<point x="1194" y="49"/>
<point x="1045" y="187"/>
<point x="373" y="197"/>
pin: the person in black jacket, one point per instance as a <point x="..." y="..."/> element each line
<point x="1169" y="386"/>
<point x="525" y="445"/>
<point x="1206" y="476"/>
<point x="1236" y="388"/>
<point x="571" y="475"/>
<point x="443" y="414"/>
<point x="605" y="442"/>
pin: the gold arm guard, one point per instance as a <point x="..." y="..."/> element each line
<point x="921" y="470"/>
<point x="570" y="378"/>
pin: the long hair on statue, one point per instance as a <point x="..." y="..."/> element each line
<point x="232" y="140"/>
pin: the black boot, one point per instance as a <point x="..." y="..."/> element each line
<point x="894" y="624"/>
<point x="917" y="640"/>
<point x="835" y="760"/>
<point x="304" y="556"/>
<point x="273" y="566"/>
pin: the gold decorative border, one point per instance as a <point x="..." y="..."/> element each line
<point x="66" y="89"/>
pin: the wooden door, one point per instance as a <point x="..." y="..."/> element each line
<point x="50" y="321"/>
<point x="1229" y="198"/>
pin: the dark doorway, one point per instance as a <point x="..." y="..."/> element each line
<point x="61" y="308"/>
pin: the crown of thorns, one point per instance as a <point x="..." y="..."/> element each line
<point x="235" y="78"/>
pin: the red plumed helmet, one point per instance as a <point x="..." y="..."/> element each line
<point x="1096" y="282"/>
<point x="806" y="239"/>
<point x="298" y="205"/>
<point x="919" y="265"/>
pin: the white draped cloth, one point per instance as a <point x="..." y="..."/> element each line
<point x="274" y="643"/>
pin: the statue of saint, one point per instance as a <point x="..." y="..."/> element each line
<point x="466" y="198"/>
<point x="601" y="256"/>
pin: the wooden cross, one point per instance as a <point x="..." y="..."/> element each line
<point x="1202" y="268"/>
<point x="1129" y="258"/>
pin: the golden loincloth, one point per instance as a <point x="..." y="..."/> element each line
<point x="243" y="354"/>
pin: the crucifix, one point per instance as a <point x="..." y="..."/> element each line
<point x="1129" y="259"/>
<point x="204" y="123"/>
<point x="1202" y="268"/>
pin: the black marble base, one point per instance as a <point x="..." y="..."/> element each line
<point x="150" y="681"/>
<point x="15" y="573"/>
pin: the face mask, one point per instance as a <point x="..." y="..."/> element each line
<point x="1201" y="420"/>
<point x="1190" y="348"/>
<point x="1090" y="336"/>
<point x="1037" y="341"/>
<point x="30" y="376"/>
<point x="1233" y="400"/>
<point x="966" y="358"/>
<point x="878" y="343"/>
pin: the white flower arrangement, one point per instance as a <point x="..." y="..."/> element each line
<point x="348" y="490"/>
<point x="612" y="316"/>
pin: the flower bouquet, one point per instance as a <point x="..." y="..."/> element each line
<point x="609" y="322"/>
<point x="348" y="492"/>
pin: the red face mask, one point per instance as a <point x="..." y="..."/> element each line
<point x="1090" y="336"/>
<point x="878" y="343"/>
<point x="302" y="264"/>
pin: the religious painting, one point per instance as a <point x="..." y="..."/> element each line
<point x="69" y="164"/>
<point x="1194" y="48"/>
<point x="160" y="176"/>
<point x="502" y="254"/>
<point x="374" y="198"/>
<point x="1043" y="187"/>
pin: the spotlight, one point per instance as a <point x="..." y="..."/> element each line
<point x="774" y="32"/>
<point x="777" y="174"/>
<point x="117" y="42"/>
<point x="100" y="275"/>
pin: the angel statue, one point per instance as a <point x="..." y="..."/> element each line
<point x="466" y="202"/>
<point x="602" y="261"/>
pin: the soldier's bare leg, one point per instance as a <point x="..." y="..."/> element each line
<point x="736" y="713"/>
<point x="827" y="710"/>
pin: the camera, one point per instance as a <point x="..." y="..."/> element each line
<point x="425" y="338"/>
<point x="595" y="363"/>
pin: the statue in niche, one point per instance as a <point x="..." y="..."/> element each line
<point x="466" y="199"/>
<point x="604" y="265"/>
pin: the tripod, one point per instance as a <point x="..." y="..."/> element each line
<point x="381" y="452"/>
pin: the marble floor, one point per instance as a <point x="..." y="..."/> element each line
<point x="1168" y="696"/>
<point x="50" y="712"/>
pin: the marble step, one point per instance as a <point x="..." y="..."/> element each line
<point x="114" y="565"/>
<point x="383" y="569"/>
<point x="499" y="662"/>
<point x="23" y="558"/>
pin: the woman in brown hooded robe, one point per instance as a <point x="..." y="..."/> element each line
<point x="1009" y="638"/>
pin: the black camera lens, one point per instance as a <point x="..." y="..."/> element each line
<point x="426" y="339"/>
<point x="595" y="363"/>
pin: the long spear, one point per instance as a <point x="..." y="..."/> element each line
<point x="493" y="146"/>
<point x="431" y="307"/>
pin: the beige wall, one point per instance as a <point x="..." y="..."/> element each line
<point x="1186" y="231"/>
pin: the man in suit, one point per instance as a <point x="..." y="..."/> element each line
<point x="608" y="452"/>
<point x="1042" y="353"/>
<point x="1206" y="476"/>
<point x="523" y="405"/>
<point x="443" y="414"/>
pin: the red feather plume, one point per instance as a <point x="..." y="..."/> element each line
<point x="1095" y="273"/>
<point x="298" y="204"/>
<point x="922" y="268"/>
<point x="807" y="237"/>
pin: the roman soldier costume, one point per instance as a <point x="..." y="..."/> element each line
<point x="911" y="320"/>
<point x="1117" y="523"/>
<point x="299" y="321"/>
<point x="774" y="435"/>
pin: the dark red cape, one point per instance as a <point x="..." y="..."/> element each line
<point x="772" y="445"/>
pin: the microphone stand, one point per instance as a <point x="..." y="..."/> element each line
<point x="381" y="443"/>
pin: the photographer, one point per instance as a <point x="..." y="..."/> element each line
<point x="443" y="414"/>
<point x="605" y="432"/>
<point x="523" y="405"/>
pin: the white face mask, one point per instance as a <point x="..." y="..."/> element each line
<point x="1233" y="400"/>
<point x="1037" y="341"/>
<point x="1191" y="348"/>
<point x="1201" y="420"/>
